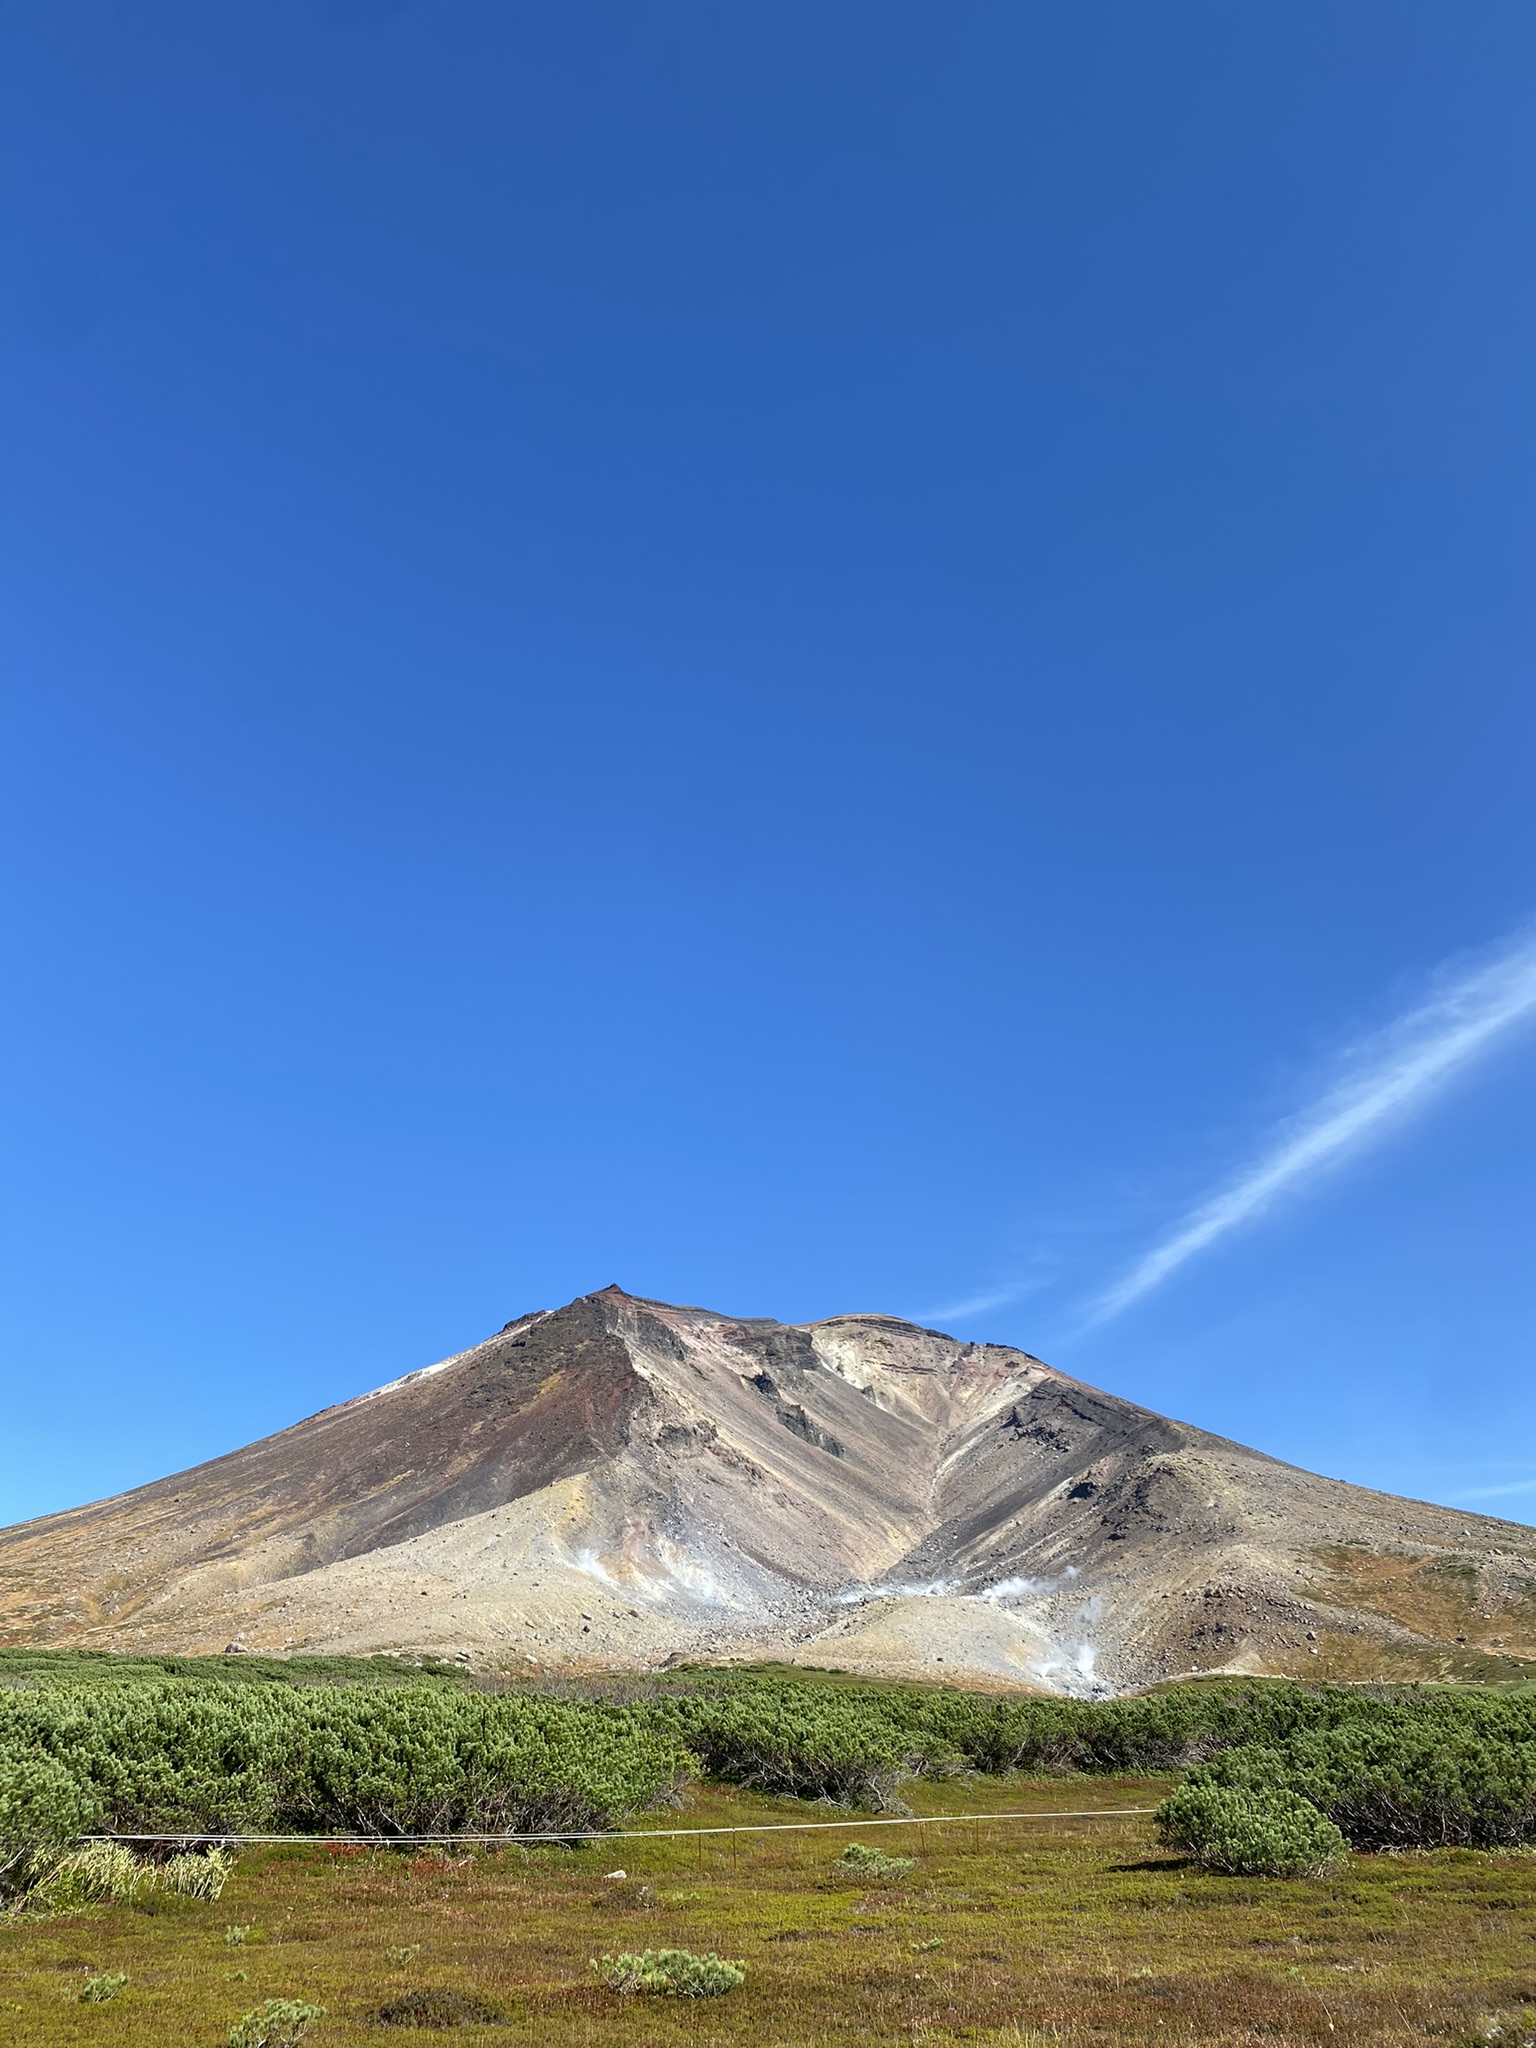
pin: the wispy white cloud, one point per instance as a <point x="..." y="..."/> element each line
<point x="978" y="1304"/>
<point x="1495" y="1492"/>
<point x="1386" y="1078"/>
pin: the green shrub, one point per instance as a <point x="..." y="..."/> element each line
<point x="440" y="1762"/>
<point x="853" y="1743"/>
<point x="439" y="2008"/>
<point x="158" y="1757"/>
<point x="277" y="2024"/>
<point x="1421" y="1780"/>
<point x="99" y="1989"/>
<point x="807" y="1741"/>
<point x="1249" y="1833"/>
<point x="874" y="1863"/>
<point x="169" y="1750"/>
<point x="200" y="1758"/>
<point x="673" y="1972"/>
<point x="43" y="1808"/>
<point x="1163" y="1731"/>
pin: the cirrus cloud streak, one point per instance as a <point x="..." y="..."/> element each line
<point x="1388" y="1077"/>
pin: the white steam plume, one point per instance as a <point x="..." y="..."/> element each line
<point x="1392" y="1073"/>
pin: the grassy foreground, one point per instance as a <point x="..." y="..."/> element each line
<point x="1008" y="1934"/>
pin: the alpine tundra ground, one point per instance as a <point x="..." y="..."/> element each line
<point x="1002" y="1933"/>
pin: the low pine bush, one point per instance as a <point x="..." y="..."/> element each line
<point x="277" y="2024"/>
<point x="808" y="1741"/>
<point x="673" y="1972"/>
<point x="1416" y="1778"/>
<point x="193" y="1757"/>
<point x="1250" y="1833"/>
<point x="43" y="1808"/>
<point x="166" y="1749"/>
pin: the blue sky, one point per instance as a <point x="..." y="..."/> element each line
<point x="812" y="658"/>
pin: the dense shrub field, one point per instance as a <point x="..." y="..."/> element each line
<point x="1451" y="1770"/>
<point x="196" y="1758"/>
<point x="854" y="1743"/>
<point x="193" y="1746"/>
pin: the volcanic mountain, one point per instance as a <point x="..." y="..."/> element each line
<point x="621" y="1484"/>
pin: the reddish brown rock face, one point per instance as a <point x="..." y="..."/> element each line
<point x="621" y="1482"/>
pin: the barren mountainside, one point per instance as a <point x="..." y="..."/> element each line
<point x="621" y="1483"/>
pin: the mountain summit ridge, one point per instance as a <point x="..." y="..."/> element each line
<point x="622" y="1483"/>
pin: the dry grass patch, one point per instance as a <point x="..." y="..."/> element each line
<point x="1492" y="1607"/>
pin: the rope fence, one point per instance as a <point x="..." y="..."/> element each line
<point x="568" y="1836"/>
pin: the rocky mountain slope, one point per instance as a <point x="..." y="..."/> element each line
<point x="621" y="1483"/>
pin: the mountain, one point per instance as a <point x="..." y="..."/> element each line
<point x="619" y="1484"/>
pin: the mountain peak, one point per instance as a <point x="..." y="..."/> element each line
<point x="621" y="1481"/>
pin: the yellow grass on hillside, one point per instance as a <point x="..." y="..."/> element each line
<point x="1478" y="1621"/>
